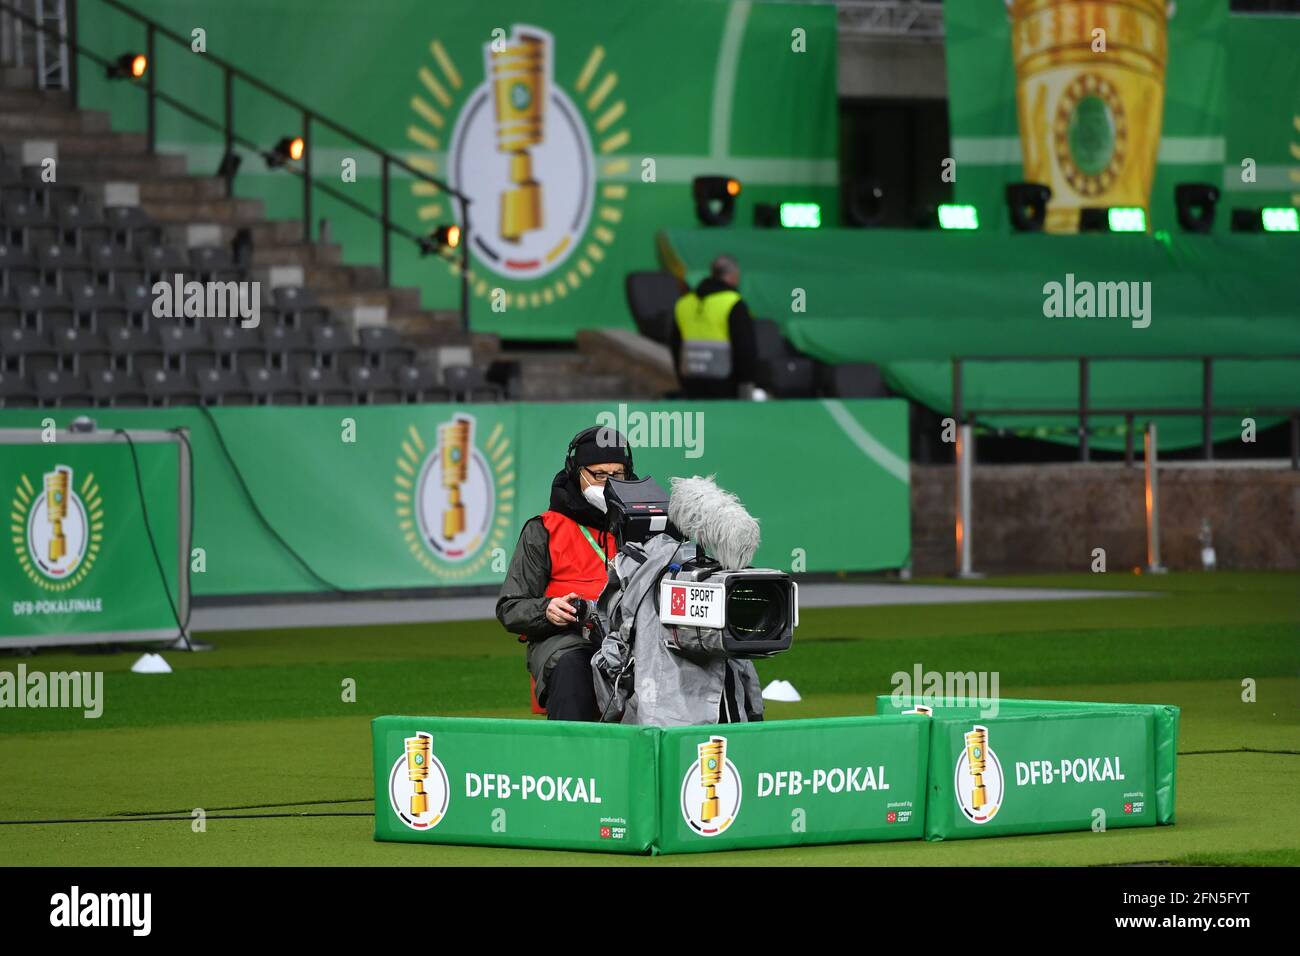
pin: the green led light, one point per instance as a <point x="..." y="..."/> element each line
<point x="1280" y="219"/>
<point x="1127" y="219"/>
<point x="801" y="215"/>
<point x="958" y="217"/>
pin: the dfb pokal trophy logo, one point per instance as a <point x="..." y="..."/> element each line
<point x="418" y="787"/>
<point x="454" y="500"/>
<point x="540" y="167"/>
<point x="711" y="790"/>
<point x="57" y="529"/>
<point x="977" y="782"/>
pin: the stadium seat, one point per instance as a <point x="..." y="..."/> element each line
<point x="284" y="346"/>
<point x="236" y="347"/>
<point x="777" y="368"/>
<point x="298" y="307"/>
<point x="26" y="351"/>
<point x="213" y="264"/>
<point x="128" y="226"/>
<point x="111" y="388"/>
<point x="651" y="297"/>
<point x="61" y="266"/>
<point x="17" y="267"/>
<point x="43" y="304"/>
<point x="162" y="263"/>
<point x="79" y="350"/>
<point x="382" y="347"/>
<point x="270" y="387"/>
<point x="332" y="347"/>
<point x="373" y="386"/>
<point x="184" y="346"/>
<point x="81" y="224"/>
<point x="106" y="260"/>
<point x="15" y="390"/>
<point x="133" y="349"/>
<point x="216" y="386"/>
<point x="165" y="387"/>
<point x="95" y="306"/>
<point x="467" y="384"/>
<point x="56" y="388"/>
<point x="420" y="384"/>
<point x="21" y="218"/>
<point x="322" y="387"/>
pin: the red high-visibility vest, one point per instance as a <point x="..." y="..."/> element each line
<point x="575" y="566"/>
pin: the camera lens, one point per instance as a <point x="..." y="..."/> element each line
<point x="756" y="610"/>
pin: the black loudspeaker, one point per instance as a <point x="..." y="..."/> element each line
<point x="1196" y="202"/>
<point x="1027" y="205"/>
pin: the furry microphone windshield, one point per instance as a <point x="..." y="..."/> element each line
<point x="714" y="519"/>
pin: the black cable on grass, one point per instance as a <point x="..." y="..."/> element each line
<point x="187" y="818"/>
<point x="248" y="494"/>
<point x="182" y="626"/>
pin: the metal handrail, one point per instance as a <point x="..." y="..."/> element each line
<point x="1207" y="410"/>
<point x="226" y="126"/>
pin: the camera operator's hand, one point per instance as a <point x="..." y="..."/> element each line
<point x="560" y="612"/>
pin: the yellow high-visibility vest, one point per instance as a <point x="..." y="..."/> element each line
<point x="705" y="320"/>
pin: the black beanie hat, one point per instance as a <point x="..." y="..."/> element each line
<point x="601" y="446"/>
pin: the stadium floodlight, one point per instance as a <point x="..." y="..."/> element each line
<point x="288" y="148"/>
<point x="958" y="217"/>
<point x="1280" y="219"/>
<point x="1196" y="202"/>
<point x="1126" y="219"/>
<point x="801" y="215"/>
<point x="128" y="66"/>
<point x="715" y="199"/>
<point x="442" y="240"/>
<point x="1027" y="204"/>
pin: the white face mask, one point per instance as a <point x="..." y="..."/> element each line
<point x="596" y="495"/>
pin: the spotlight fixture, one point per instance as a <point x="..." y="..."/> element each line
<point x="288" y="148"/>
<point x="1112" y="219"/>
<point x="801" y="215"/>
<point x="128" y="66"/>
<point x="1027" y="204"/>
<point x="1195" y="202"/>
<point x="958" y="217"/>
<point x="442" y="240"/>
<point x="766" y="215"/>
<point x="715" y="199"/>
<point x="1273" y="219"/>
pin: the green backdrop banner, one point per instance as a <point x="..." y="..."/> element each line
<point x="1115" y="118"/>
<point x="1218" y="295"/>
<point x="80" y="567"/>
<point x="1262" y="166"/>
<point x="372" y="498"/>
<point x="791" y="783"/>
<point x="622" y="109"/>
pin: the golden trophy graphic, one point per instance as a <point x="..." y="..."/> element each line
<point x="455" y="441"/>
<point x="519" y="88"/>
<point x="1090" y="88"/>
<point x="713" y="757"/>
<point x="56" y="510"/>
<point x="977" y="745"/>
<point x="418" y="749"/>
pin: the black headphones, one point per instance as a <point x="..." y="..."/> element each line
<point x="570" y="466"/>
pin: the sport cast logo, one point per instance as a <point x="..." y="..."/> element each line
<point x="711" y="790"/>
<point x="978" y="782"/>
<point x="57" y="532"/>
<point x="418" y="787"/>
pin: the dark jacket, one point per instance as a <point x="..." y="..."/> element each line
<point x="740" y="326"/>
<point x="521" y="605"/>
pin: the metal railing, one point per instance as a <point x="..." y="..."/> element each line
<point x="227" y="127"/>
<point x="1207" y="410"/>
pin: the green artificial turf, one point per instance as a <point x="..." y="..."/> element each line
<point x="256" y="733"/>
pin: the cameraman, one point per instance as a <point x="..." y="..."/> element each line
<point x="561" y="556"/>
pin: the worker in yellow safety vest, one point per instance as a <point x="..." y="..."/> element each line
<point x="713" y="335"/>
